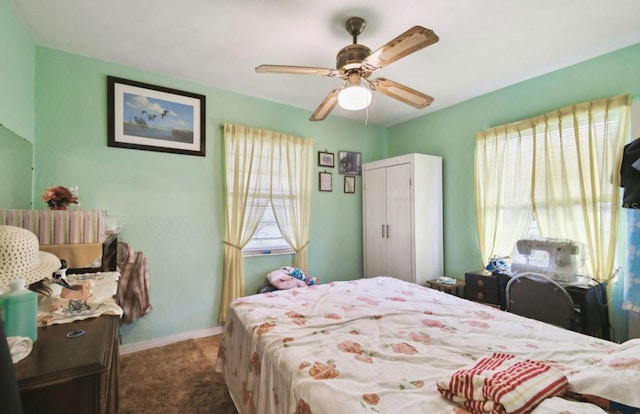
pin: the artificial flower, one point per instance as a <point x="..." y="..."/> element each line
<point x="59" y="196"/>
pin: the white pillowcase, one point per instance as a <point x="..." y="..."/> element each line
<point x="615" y="377"/>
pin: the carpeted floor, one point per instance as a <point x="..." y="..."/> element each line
<point x="174" y="379"/>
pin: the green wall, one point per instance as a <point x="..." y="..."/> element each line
<point x="17" y="103"/>
<point x="16" y="161"/>
<point x="17" y="74"/>
<point x="173" y="204"/>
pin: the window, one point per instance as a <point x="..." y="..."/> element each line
<point x="266" y="182"/>
<point x="267" y="238"/>
<point x="553" y="175"/>
<point x="269" y="180"/>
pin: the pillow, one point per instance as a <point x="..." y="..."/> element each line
<point x="615" y="377"/>
<point x="282" y="280"/>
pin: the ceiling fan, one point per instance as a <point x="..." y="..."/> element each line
<point x="355" y="63"/>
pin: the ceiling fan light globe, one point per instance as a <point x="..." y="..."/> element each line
<point x="354" y="98"/>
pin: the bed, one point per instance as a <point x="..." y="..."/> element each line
<point x="380" y="345"/>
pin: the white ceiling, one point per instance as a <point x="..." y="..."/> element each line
<point x="484" y="44"/>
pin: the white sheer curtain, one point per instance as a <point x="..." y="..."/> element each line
<point x="578" y="154"/>
<point x="256" y="161"/>
<point x="504" y="170"/>
<point x="291" y="193"/>
<point x="562" y="166"/>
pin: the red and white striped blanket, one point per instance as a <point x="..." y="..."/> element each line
<point x="501" y="383"/>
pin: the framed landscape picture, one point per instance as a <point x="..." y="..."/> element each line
<point x="326" y="159"/>
<point x="154" y="118"/>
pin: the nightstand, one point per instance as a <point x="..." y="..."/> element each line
<point x="445" y="287"/>
<point x="485" y="287"/>
<point x="66" y="372"/>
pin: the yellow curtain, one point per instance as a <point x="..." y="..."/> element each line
<point x="262" y="167"/>
<point x="247" y="166"/>
<point x="562" y="166"/>
<point x="291" y="193"/>
<point x="578" y="154"/>
<point x="504" y="165"/>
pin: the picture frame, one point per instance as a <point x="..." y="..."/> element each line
<point x="349" y="163"/>
<point x="349" y="184"/>
<point x="154" y="118"/>
<point x="326" y="159"/>
<point x="325" y="181"/>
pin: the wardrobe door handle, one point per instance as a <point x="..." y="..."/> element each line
<point x="383" y="231"/>
<point x="387" y="231"/>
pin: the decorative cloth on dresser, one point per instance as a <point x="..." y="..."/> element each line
<point x="133" y="290"/>
<point x="59" y="308"/>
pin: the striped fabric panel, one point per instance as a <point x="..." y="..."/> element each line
<point x="59" y="227"/>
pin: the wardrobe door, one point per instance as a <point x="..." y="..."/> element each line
<point x="399" y="260"/>
<point x="374" y="222"/>
<point x="402" y="217"/>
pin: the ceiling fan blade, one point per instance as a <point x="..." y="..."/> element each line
<point x="407" y="43"/>
<point x="297" y="70"/>
<point x="402" y="93"/>
<point x="326" y="106"/>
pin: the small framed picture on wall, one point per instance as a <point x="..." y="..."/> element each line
<point x="326" y="159"/>
<point x="325" y="181"/>
<point x="349" y="184"/>
<point x="350" y="163"/>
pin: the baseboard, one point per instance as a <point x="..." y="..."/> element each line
<point x="141" y="346"/>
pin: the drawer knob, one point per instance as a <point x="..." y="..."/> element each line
<point x="479" y="295"/>
<point x="480" y="282"/>
<point x="75" y="334"/>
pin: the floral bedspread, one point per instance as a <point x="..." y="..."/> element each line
<point x="380" y="345"/>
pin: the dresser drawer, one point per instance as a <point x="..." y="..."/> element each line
<point x="484" y="296"/>
<point x="481" y="287"/>
<point x="481" y="281"/>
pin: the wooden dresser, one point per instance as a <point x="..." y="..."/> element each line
<point x="485" y="287"/>
<point x="72" y="375"/>
<point x="590" y="301"/>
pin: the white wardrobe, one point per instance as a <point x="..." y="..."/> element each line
<point x="402" y="217"/>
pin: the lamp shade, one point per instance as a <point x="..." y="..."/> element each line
<point x="354" y="98"/>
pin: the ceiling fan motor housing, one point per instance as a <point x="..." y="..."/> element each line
<point x="351" y="57"/>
